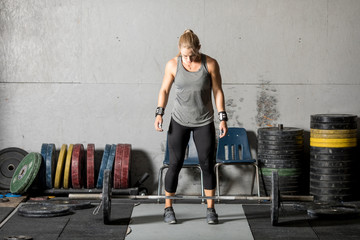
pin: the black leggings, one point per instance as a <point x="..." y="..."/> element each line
<point x="178" y="138"/>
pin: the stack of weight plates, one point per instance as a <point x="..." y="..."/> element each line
<point x="281" y="149"/>
<point x="75" y="166"/>
<point x="333" y="141"/>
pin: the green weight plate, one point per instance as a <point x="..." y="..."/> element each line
<point x="25" y="173"/>
<point x="9" y="160"/>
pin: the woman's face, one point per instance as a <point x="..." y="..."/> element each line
<point x="188" y="55"/>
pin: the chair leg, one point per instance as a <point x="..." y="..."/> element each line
<point x="217" y="180"/>
<point x="257" y="180"/>
<point x="202" y="184"/>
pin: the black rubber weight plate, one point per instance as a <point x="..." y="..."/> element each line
<point x="73" y="204"/>
<point x="335" y="211"/>
<point x="106" y="196"/>
<point x="9" y="160"/>
<point x="19" y="237"/>
<point x="41" y="210"/>
<point x="331" y="118"/>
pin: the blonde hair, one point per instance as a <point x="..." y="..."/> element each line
<point x="189" y="40"/>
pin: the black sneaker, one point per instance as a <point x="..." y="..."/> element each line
<point x="211" y="216"/>
<point x="169" y="215"/>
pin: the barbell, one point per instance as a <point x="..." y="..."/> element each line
<point x="106" y="196"/>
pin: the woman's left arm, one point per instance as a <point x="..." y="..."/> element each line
<point x="214" y="71"/>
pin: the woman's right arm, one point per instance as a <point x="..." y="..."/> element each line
<point x="169" y="76"/>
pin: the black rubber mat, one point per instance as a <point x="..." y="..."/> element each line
<point x="81" y="224"/>
<point x="296" y="224"/>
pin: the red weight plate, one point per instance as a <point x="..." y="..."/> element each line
<point x="77" y="161"/>
<point x="90" y="166"/>
<point x="117" y="165"/>
<point x="125" y="166"/>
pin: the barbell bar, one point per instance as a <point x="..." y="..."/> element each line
<point x="106" y="196"/>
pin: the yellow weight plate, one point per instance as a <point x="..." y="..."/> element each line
<point x="323" y="135"/>
<point x="333" y="143"/>
<point x="339" y="131"/>
<point x="60" y="166"/>
<point x="67" y="166"/>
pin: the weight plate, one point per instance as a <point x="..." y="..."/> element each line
<point x="333" y="118"/>
<point x="66" y="183"/>
<point x="333" y="132"/>
<point x="328" y="184"/>
<point x="334" y="212"/>
<point x="111" y="158"/>
<point x="280" y="165"/>
<point x="42" y="171"/>
<point x="274" y="131"/>
<point x="280" y="147"/>
<point x="117" y="165"/>
<point x="279" y="152"/>
<point x="295" y="142"/>
<point x="333" y="126"/>
<point x="275" y="199"/>
<point x="280" y="138"/>
<point x="330" y="191"/>
<point x="282" y="171"/>
<point x="282" y="156"/>
<point x="333" y="151"/>
<point x="77" y="161"/>
<point x="337" y="198"/>
<point x="329" y="157"/>
<point x="43" y="210"/>
<point x="90" y="166"/>
<point x="60" y="166"/>
<point x="25" y="173"/>
<point x="333" y="136"/>
<point x="331" y="164"/>
<point x="125" y="166"/>
<point x="72" y="204"/>
<point x="331" y="171"/>
<point x="333" y="177"/>
<point x="50" y="162"/>
<point x="103" y="165"/>
<point x="333" y="142"/>
<point x="9" y="160"/>
<point x="106" y="196"/>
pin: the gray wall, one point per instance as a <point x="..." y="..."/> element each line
<point x="89" y="71"/>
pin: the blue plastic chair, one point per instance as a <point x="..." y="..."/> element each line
<point x="228" y="152"/>
<point x="191" y="161"/>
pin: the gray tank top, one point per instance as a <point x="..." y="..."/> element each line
<point x="193" y="105"/>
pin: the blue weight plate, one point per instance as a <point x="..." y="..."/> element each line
<point x="103" y="165"/>
<point x="111" y="159"/>
<point x="50" y="165"/>
<point x="42" y="171"/>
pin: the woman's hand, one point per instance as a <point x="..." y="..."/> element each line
<point x="158" y="123"/>
<point x="223" y="129"/>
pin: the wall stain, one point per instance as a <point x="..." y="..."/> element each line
<point x="267" y="113"/>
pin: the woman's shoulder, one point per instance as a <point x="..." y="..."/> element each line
<point x="211" y="62"/>
<point x="171" y="66"/>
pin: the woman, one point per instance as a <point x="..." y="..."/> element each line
<point x="194" y="76"/>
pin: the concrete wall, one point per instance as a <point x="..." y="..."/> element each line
<point x="89" y="71"/>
